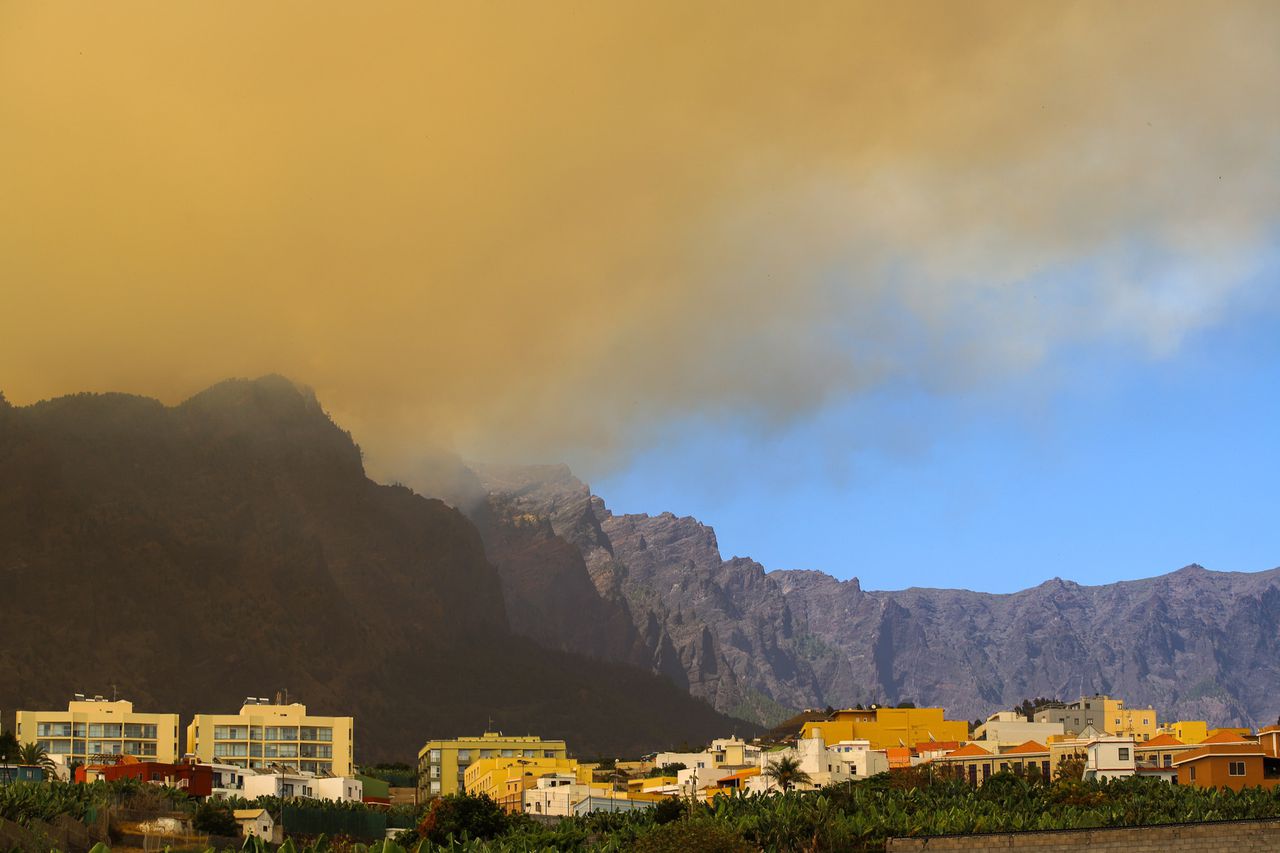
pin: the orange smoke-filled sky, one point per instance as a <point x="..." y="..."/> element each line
<point x="545" y="230"/>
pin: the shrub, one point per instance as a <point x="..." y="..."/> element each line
<point x="668" y="810"/>
<point x="455" y="814"/>
<point x="215" y="818"/>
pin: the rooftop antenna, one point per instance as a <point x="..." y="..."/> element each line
<point x="113" y="693"/>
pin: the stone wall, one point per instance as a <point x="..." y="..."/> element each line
<point x="1239" y="836"/>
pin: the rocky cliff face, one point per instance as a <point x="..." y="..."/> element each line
<point x="232" y="546"/>
<point x="1194" y="644"/>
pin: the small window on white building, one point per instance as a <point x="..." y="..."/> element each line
<point x="1124" y="753"/>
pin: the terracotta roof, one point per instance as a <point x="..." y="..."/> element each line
<point x="1265" y="729"/>
<point x="969" y="750"/>
<point x="1161" y="740"/>
<point x="1225" y="737"/>
<point x="741" y="774"/>
<point x="1028" y="748"/>
<point x="1219" y="749"/>
<point x="935" y="745"/>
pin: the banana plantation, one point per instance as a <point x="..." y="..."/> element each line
<point x="860" y="816"/>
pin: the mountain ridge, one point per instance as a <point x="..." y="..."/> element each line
<point x="763" y="642"/>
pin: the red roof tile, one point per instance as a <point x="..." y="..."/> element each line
<point x="1162" y="740"/>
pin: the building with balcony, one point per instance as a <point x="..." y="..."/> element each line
<point x="92" y="728"/>
<point x="264" y="734"/>
<point x="442" y="764"/>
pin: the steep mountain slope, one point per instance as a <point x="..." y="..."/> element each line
<point x="232" y="545"/>
<point x="1195" y="644"/>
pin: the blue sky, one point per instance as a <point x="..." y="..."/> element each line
<point x="1103" y="463"/>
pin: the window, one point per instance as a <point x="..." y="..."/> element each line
<point x="434" y="756"/>
<point x="464" y="756"/>
<point x="531" y="753"/>
<point x="488" y="753"/>
<point x="1124" y="753"/>
<point x="137" y="747"/>
<point x="104" y="730"/>
<point x="1235" y="768"/>
<point x="139" y="730"/>
<point x="548" y="753"/>
<point x="508" y="753"/>
<point x="1192" y="768"/>
<point x="1168" y="759"/>
<point x="54" y="730"/>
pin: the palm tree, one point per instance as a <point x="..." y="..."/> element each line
<point x="35" y="755"/>
<point x="786" y="773"/>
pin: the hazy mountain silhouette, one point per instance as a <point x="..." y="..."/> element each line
<point x="232" y="545"/>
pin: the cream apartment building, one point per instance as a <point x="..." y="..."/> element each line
<point x="265" y="733"/>
<point x="99" y="727"/>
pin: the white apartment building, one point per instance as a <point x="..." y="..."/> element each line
<point x="1009" y="728"/>
<point x="555" y="794"/>
<point x="723" y="752"/>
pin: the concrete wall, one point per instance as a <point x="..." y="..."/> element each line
<point x="1241" y="836"/>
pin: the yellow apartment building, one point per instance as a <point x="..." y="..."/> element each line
<point x="1137" y="723"/>
<point x="100" y="726"/>
<point x="442" y="764"/>
<point x="504" y="780"/>
<point x="265" y="733"/>
<point x="1187" y="731"/>
<point x="888" y="727"/>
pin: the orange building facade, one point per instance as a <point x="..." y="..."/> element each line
<point x="1229" y="765"/>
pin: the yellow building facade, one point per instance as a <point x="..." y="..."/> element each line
<point x="1187" y="731"/>
<point x="504" y="780"/>
<point x="263" y="734"/>
<point x="888" y="727"/>
<point x="99" y="726"/>
<point x="442" y="764"/>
